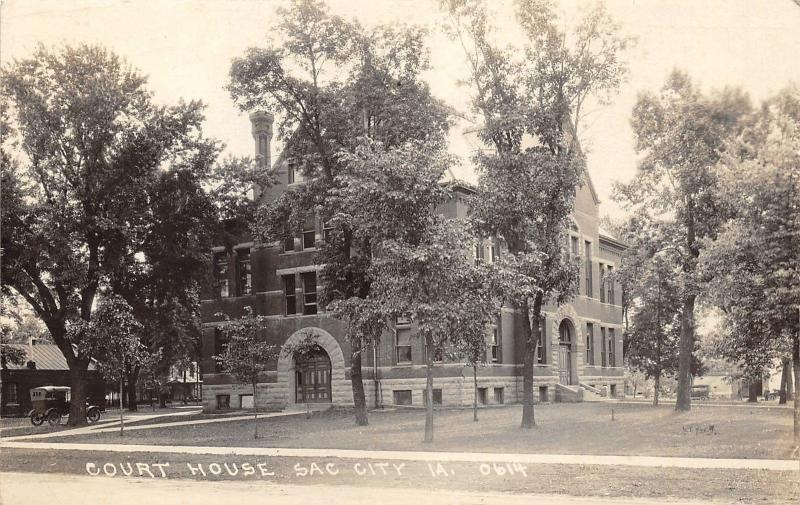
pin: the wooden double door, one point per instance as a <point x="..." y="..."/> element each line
<point x="313" y="378"/>
<point x="565" y="364"/>
<point x="565" y="334"/>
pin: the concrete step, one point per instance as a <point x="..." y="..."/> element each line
<point x="569" y="394"/>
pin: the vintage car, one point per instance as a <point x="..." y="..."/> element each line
<point x="50" y="403"/>
<point x="701" y="392"/>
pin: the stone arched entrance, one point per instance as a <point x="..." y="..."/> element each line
<point x="312" y="377"/>
<point x="566" y="340"/>
<point x="314" y="374"/>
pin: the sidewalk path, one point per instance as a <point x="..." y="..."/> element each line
<point x="23" y="489"/>
<point x="114" y="427"/>
<point x="477" y="457"/>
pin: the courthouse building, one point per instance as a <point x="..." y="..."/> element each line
<point x="581" y="348"/>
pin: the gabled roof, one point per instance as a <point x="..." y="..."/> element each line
<point x="46" y="357"/>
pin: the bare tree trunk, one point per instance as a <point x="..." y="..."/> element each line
<point x="785" y="378"/>
<point x="78" y="386"/>
<point x="133" y="379"/>
<point x="121" y="420"/>
<point x="796" y="369"/>
<point x="752" y="392"/>
<point x="255" y="413"/>
<point x="684" y="400"/>
<point x="357" y="382"/>
<point x="475" y="392"/>
<point x="531" y="336"/>
<point x="429" y="393"/>
<point x="657" y="388"/>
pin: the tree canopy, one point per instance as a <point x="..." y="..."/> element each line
<point x="680" y="135"/>
<point x="332" y="83"/>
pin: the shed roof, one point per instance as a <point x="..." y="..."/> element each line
<point x="46" y="357"/>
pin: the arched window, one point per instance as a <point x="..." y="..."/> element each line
<point x="564" y="332"/>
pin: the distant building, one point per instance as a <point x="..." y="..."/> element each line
<point x="582" y="343"/>
<point x="44" y="365"/>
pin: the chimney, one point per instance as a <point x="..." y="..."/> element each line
<point x="262" y="135"/>
<point x="261" y="122"/>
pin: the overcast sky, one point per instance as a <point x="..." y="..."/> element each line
<point x="185" y="48"/>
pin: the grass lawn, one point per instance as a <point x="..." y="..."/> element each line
<point x="738" y="432"/>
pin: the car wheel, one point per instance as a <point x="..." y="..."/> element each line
<point x="36" y="418"/>
<point x="54" y="418"/>
<point x="93" y="415"/>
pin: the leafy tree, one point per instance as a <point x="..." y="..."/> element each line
<point x="331" y="82"/>
<point x="652" y="338"/>
<point x="246" y="356"/>
<point x="9" y="353"/>
<point x="433" y="281"/>
<point x="754" y="259"/>
<point x="420" y="268"/>
<point x="111" y="337"/>
<point x="531" y="109"/>
<point x="680" y="135"/>
<point x="106" y="193"/>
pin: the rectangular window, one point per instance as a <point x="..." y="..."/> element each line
<point x="483" y="396"/>
<point x="602" y="283"/>
<point x="221" y="274"/>
<point x="290" y="172"/>
<point x="290" y="294"/>
<point x="498" y="396"/>
<point x="603" y="343"/>
<point x="309" y="233"/>
<point x="246" y="401"/>
<point x="589" y="344"/>
<point x="437" y="397"/>
<point x="310" y="293"/>
<point x="543" y="394"/>
<point x="495" y="346"/>
<point x="492" y="253"/>
<point x="10" y="394"/>
<point x="223" y="402"/>
<point x="610" y="283"/>
<point x="611" y="338"/>
<point x="327" y="232"/>
<point x="541" y="347"/>
<point x="402" y="397"/>
<point x="588" y="267"/>
<point x="245" y="277"/>
<point x="573" y="242"/>
<point x="479" y="253"/>
<point x="220" y="342"/>
<point x="403" y="345"/>
<point x="288" y="239"/>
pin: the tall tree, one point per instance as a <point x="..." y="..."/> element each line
<point x="435" y="283"/>
<point x="680" y="135"/>
<point x="755" y="259"/>
<point x="246" y="355"/>
<point x="531" y="103"/>
<point x="94" y="154"/>
<point x="422" y="269"/>
<point x="331" y="82"/>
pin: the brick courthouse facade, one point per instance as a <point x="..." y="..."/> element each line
<point x="582" y="347"/>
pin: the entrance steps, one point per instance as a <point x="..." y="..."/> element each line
<point x="592" y="394"/>
<point x="569" y="394"/>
